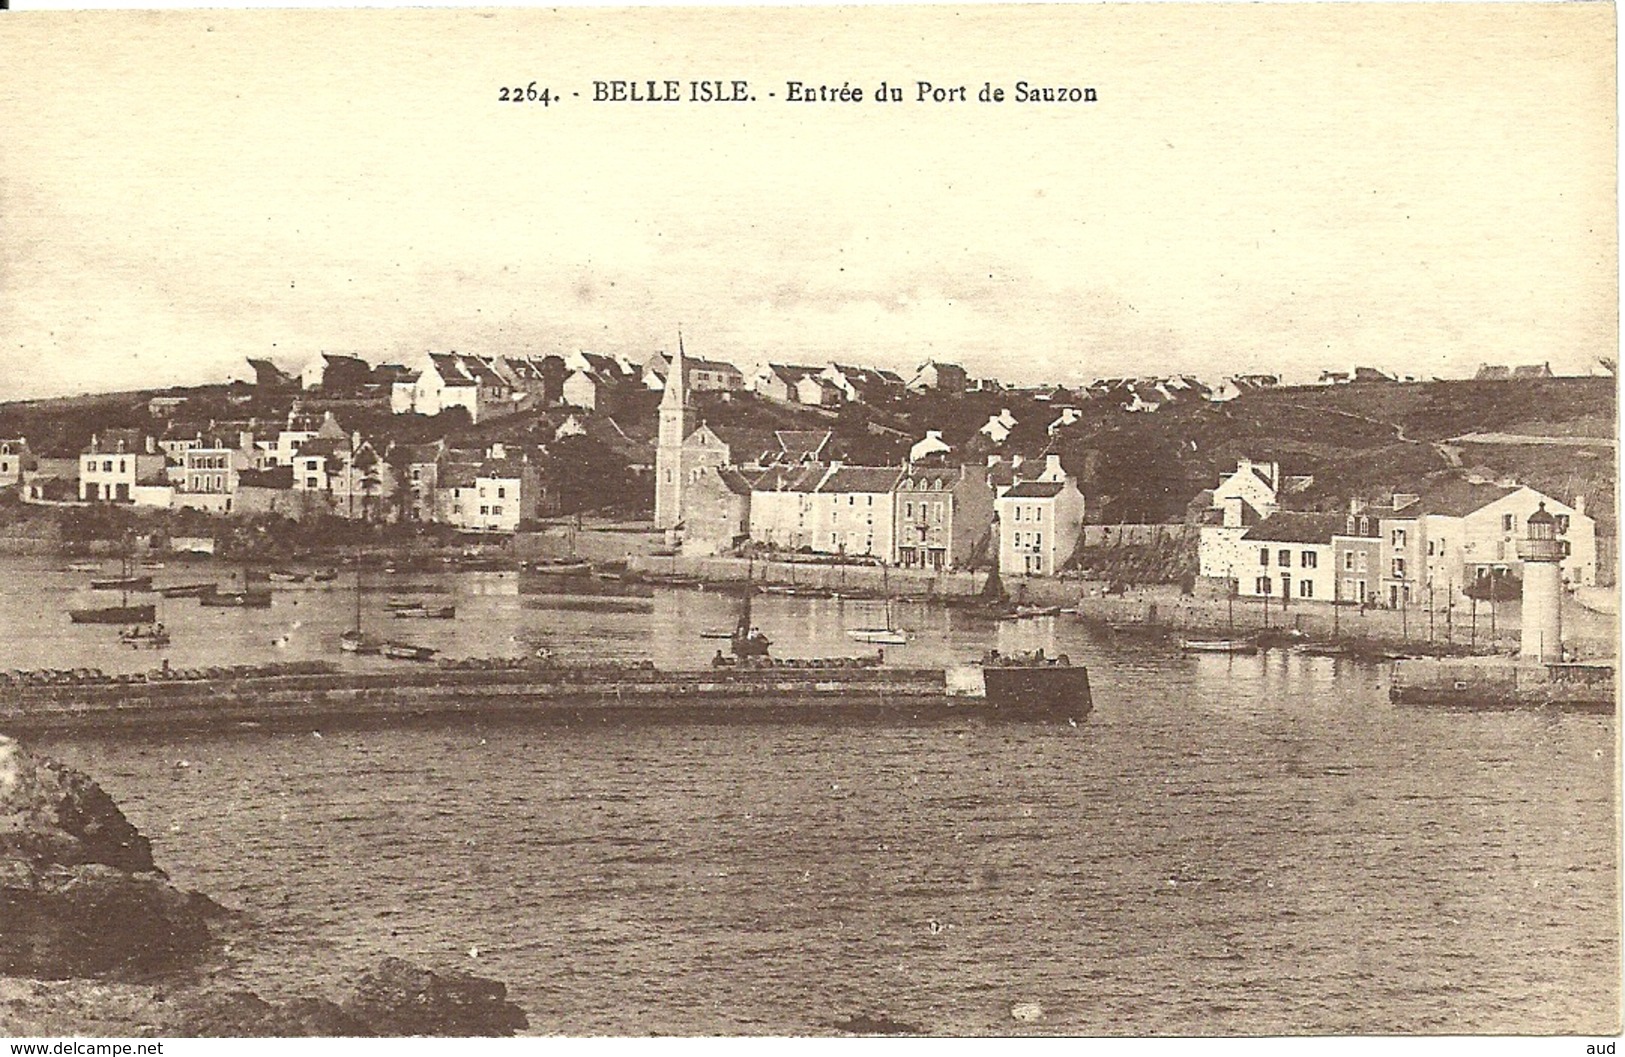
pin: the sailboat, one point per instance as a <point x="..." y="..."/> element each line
<point x="124" y="612"/>
<point x="887" y="635"/>
<point x="748" y="640"/>
<point x="1228" y="644"/>
<point x="353" y="640"/>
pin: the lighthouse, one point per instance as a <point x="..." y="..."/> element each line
<point x="1542" y="555"/>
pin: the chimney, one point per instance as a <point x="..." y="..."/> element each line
<point x="1052" y="468"/>
<point x="1579" y="506"/>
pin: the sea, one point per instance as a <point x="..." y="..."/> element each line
<point x="1223" y="846"/>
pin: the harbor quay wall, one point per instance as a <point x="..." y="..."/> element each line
<point x="1589" y="633"/>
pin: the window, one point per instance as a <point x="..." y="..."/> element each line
<point x="485" y="510"/>
<point x="1306" y="589"/>
<point x="851" y="500"/>
<point x="908" y="511"/>
<point x="1399" y="567"/>
<point x="1430" y="548"/>
<point x="1263" y="555"/>
<point x="1362" y="561"/>
<point x="1018" y="513"/>
<point x="1284" y="559"/>
<point x="1309" y="560"/>
<point x="1397" y="538"/>
<point x="496" y="511"/>
<point x="1365" y="526"/>
<point x="417" y="473"/>
<point x="1348" y="561"/>
<point x="121" y="465"/>
<point x="1038" y="539"/>
<point x="1506" y="522"/>
<point x="869" y="500"/>
<point x="1038" y="513"/>
<point x="1562" y="524"/>
<point x="1261" y="586"/>
<point x="107" y="466"/>
<point x="936" y="512"/>
<point x="502" y="493"/>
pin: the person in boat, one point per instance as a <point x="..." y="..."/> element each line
<point x="719" y="661"/>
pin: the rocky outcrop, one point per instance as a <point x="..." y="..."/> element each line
<point x="393" y="999"/>
<point x="399" y="998"/>
<point x="79" y="893"/>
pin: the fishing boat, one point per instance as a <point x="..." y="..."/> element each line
<point x="286" y="576"/>
<point x="124" y="612"/>
<point x="405" y="651"/>
<point x="886" y="635"/>
<point x="354" y="640"/>
<point x="84" y="567"/>
<point x="560" y="567"/>
<point x="1218" y="645"/>
<point x="245" y="599"/>
<point x="426" y="612"/>
<point x="121" y="614"/>
<point x="122" y="583"/>
<point x="1025" y="612"/>
<point x="395" y="602"/>
<point x="196" y="590"/>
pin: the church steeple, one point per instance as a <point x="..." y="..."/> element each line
<point x="669" y="446"/>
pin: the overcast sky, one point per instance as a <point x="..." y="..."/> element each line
<point x="1258" y="188"/>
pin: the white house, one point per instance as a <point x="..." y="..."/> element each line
<point x="931" y="444"/>
<point x="852" y="511"/>
<point x="998" y="427"/>
<point x="1040" y="521"/>
<point x="1292" y="557"/>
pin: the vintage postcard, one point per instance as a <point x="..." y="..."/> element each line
<point x="810" y="521"/>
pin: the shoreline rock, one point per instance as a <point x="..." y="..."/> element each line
<point x="94" y="940"/>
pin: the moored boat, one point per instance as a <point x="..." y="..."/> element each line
<point x="426" y="612"/>
<point x="286" y="576"/>
<point x="153" y="635"/>
<point x="196" y="590"/>
<point x="137" y="614"/>
<point x="405" y="651"/>
<point x="123" y="583"/>
<point x="249" y="599"/>
<point x="560" y="567"/>
<point x="878" y="636"/>
<point x="353" y="641"/>
<point x="1218" y="645"/>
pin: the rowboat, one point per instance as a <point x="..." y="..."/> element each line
<point x="560" y="567"/>
<point x="403" y="651"/>
<point x="1218" y="645"/>
<point x="286" y="576"/>
<point x="196" y="590"/>
<point x="426" y="612"/>
<point x="355" y="642"/>
<point x="236" y="599"/>
<point x="123" y="583"/>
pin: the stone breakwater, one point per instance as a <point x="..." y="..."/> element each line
<point x="95" y="940"/>
<point x="278" y="699"/>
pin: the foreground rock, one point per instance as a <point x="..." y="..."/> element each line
<point x="393" y="999"/>
<point x="79" y="892"/>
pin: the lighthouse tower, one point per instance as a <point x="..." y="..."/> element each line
<point x="1542" y="554"/>
<point x="669" y="445"/>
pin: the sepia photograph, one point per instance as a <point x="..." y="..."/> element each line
<point x="809" y="522"/>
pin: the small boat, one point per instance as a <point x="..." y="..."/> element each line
<point x="123" y="583"/>
<point x="141" y="614"/>
<point x="878" y="636"/>
<point x="286" y="576"/>
<point x="355" y="642"/>
<point x="236" y="599"/>
<point x="717" y="633"/>
<point x="1218" y="645"/>
<point x="1023" y="612"/>
<point x="397" y="602"/>
<point x="324" y="576"/>
<point x="1322" y="649"/>
<point x="196" y="590"/>
<point x="152" y="565"/>
<point x="152" y="636"/>
<point x="84" y="567"/>
<point x="560" y="567"/>
<point x="403" y="651"/>
<point x="426" y="612"/>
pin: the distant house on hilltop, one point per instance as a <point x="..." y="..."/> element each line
<point x="940" y="377"/>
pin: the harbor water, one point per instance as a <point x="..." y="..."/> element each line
<point x="1226" y="845"/>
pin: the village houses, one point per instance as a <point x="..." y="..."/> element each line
<point x="1040" y="521"/>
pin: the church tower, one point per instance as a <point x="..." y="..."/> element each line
<point x="669" y="446"/>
